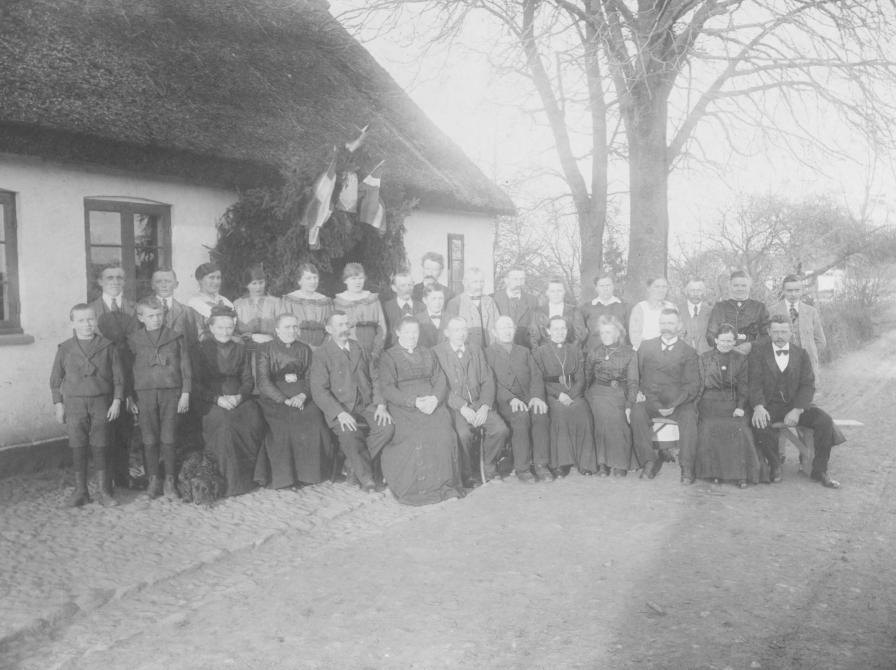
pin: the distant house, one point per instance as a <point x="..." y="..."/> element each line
<point x="127" y="128"/>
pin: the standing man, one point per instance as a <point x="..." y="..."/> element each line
<point x="520" y="396"/>
<point x="516" y="303"/>
<point x="478" y="311"/>
<point x="433" y="264"/>
<point x="471" y="397"/>
<point x="695" y="316"/>
<point x="401" y="305"/>
<point x="116" y="319"/>
<point x="782" y="387"/>
<point x="345" y="386"/>
<point x="177" y="316"/>
<point x="669" y="383"/>
<point x="749" y="317"/>
<point x="807" y="331"/>
<point x="431" y="319"/>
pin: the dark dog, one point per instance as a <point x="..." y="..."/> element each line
<point x="199" y="480"/>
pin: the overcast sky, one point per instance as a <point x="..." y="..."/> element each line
<point x="491" y="120"/>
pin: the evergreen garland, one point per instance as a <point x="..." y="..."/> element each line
<point x="264" y="226"/>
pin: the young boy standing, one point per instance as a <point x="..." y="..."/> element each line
<point x="87" y="384"/>
<point x="162" y="380"/>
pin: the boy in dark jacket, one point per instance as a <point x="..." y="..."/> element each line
<point x="162" y="379"/>
<point x="87" y="384"/>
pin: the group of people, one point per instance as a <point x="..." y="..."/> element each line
<point x="292" y="391"/>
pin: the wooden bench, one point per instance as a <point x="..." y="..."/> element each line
<point x="665" y="434"/>
<point x="801" y="438"/>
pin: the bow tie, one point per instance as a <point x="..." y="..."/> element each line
<point x="782" y="352"/>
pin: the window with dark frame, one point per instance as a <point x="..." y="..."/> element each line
<point x="10" y="307"/>
<point x="135" y="235"/>
<point x="456" y="263"/>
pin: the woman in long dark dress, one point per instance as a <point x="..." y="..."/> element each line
<point x="298" y="449"/>
<point x="563" y="369"/>
<point x="612" y="369"/>
<point x="421" y="463"/>
<point x="232" y="425"/>
<point x="725" y="450"/>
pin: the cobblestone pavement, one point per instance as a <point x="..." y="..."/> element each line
<point x="581" y="573"/>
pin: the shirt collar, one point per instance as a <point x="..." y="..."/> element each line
<point x="611" y="301"/>
<point x="108" y="300"/>
<point x="670" y="342"/>
<point x="458" y="350"/>
<point x="786" y="347"/>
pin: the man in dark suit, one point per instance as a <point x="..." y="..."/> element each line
<point x="516" y="303"/>
<point x="669" y="383"/>
<point x="520" y="397"/>
<point x="400" y="305"/>
<point x="116" y="319"/>
<point x="177" y="316"/>
<point x="782" y="386"/>
<point x="344" y="385"/>
<point x="431" y="319"/>
<point x="695" y="316"/>
<point x="433" y="264"/>
<point x="471" y="397"/>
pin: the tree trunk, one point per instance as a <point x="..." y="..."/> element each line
<point x="592" y="221"/>
<point x="648" y="189"/>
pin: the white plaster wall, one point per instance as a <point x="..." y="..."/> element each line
<point x="52" y="267"/>
<point x="427" y="230"/>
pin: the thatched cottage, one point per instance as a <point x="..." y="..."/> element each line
<point x="127" y="127"/>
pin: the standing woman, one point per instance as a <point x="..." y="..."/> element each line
<point x="209" y="277"/>
<point x="644" y="322"/>
<point x="612" y="370"/>
<point x="232" y="425"/>
<point x="556" y="306"/>
<point x="606" y="302"/>
<point x="725" y="449"/>
<point x="256" y="312"/>
<point x="366" y="320"/>
<point x="298" y="448"/>
<point x="310" y="307"/>
<point x="563" y="370"/>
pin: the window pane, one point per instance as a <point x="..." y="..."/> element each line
<point x="105" y="227"/>
<point x="4" y="281"/>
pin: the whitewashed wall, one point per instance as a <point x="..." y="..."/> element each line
<point x="427" y="230"/>
<point x="52" y="269"/>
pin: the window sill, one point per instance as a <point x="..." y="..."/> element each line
<point x="15" y="339"/>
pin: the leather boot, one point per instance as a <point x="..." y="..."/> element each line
<point x="104" y="492"/>
<point x="154" y="490"/>
<point x="79" y="496"/>
<point x="170" y="488"/>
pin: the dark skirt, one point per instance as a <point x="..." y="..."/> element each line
<point x="298" y="449"/>
<point x="725" y="449"/>
<point x="234" y="437"/>
<point x="612" y="433"/>
<point x="572" y="439"/>
<point x="421" y="465"/>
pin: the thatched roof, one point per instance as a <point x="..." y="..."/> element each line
<point x="223" y="91"/>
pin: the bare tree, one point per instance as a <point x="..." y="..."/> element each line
<point x="659" y="70"/>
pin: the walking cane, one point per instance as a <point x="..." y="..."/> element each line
<point x="480" y="432"/>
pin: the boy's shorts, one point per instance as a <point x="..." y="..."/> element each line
<point x="85" y="421"/>
<point x="158" y="415"/>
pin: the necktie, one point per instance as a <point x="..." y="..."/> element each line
<point x="794" y="315"/>
<point x="782" y="352"/>
<point x="667" y="347"/>
<point x="165" y="310"/>
<point x="115" y="305"/>
<point x="696" y="311"/>
<point x="406" y="308"/>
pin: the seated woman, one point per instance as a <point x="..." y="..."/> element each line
<point x="556" y="306"/>
<point x="209" y="277"/>
<point x="612" y="370"/>
<point x="256" y="312"/>
<point x="232" y="425"/>
<point x="365" y="314"/>
<point x="299" y="449"/>
<point x="421" y="464"/>
<point x="725" y="449"/>
<point x="309" y="306"/>
<point x="563" y="371"/>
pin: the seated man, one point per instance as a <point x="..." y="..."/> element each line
<point x="345" y="386"/>
<point x="782" y="386"/>
<point x="669" y="383"/>
<point x="471" y="396"/>
<point x="520" y="396"/>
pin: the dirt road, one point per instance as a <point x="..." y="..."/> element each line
<point x="580" y="573"/>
